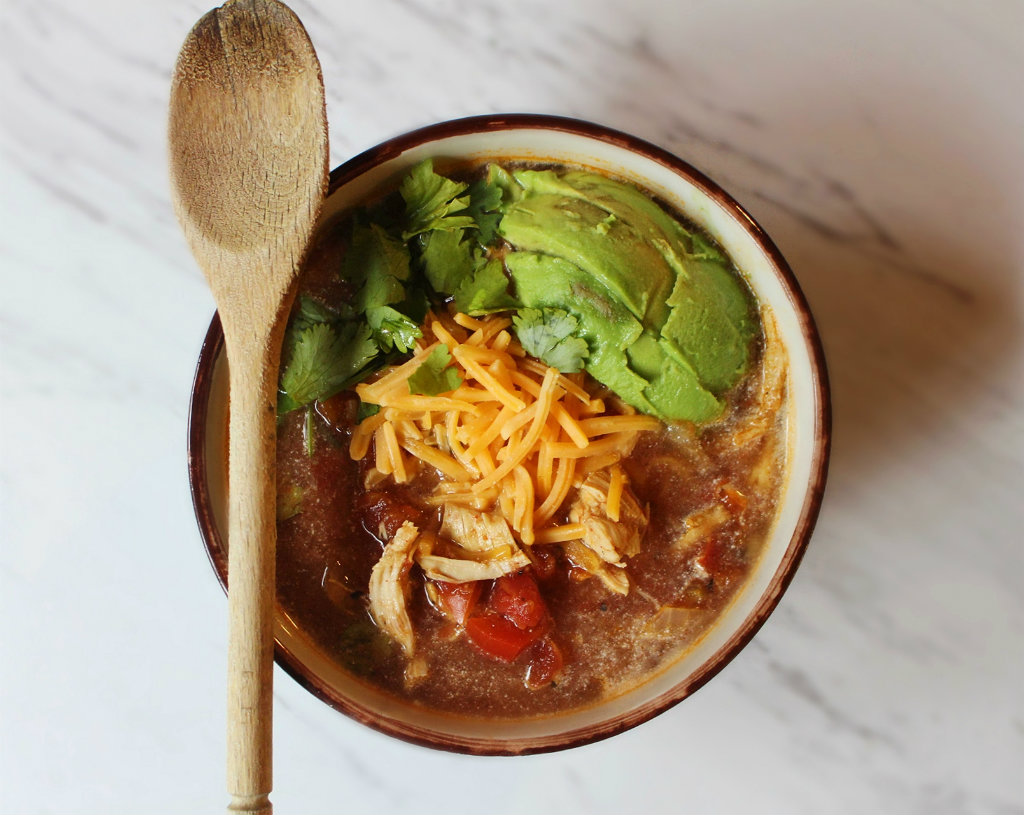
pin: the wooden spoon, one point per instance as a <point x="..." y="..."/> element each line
<point x="248" y="156"/>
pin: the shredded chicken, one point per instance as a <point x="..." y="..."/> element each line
<point x="455" y="570"/>
<point x="613" y="576"/>
<point x="474" y="546"/>
<point x="475" y="531"/>
<point x="389" y="587"/>
<point x="610" y="540"/>
<point x="700" y="524"/>
<point x="605" y="542"/>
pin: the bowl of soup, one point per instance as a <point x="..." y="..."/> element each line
<point x="553" y="432"/>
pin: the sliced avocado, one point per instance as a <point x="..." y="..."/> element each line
<point x="542" y="281"/>
<point x="677" y="392"/>
<point x="710" y="324"/>
<point x="625" y="201"/>
<point x="604" y="250"/>
<point x="674" y="389"/>
<point x="609" y="249"/>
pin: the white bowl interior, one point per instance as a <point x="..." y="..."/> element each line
<point x="738" y="620"/>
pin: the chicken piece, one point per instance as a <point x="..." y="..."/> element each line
<point x="613" y="576"/>
<point x="456" y="570"/>
<point x="702" y="523"/>
<point x="479" y="546"/>
<point x="610" y="540"/>
<point x="389" y="587"/>
<point x="475" y="531"/>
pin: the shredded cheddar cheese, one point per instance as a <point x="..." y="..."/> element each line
<point x="515" y="434"/>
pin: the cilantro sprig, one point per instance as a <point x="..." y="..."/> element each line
<point x="435" y="375"/>
<point x="550" y="335"/>
<point x="433" y="243"/>
<point x="325" y="359"/>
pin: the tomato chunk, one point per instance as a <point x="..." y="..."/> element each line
<point x="546" y="663"/>
<point x="516" y="597"/>
<point x="718" y="559"/>
<point x="545" y="561"/>
<point x="383" y="514"/>
<point x="457" y="600"/>
<point x="498" y="636"/>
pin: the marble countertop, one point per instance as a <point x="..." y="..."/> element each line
<point x="882" y="146"/>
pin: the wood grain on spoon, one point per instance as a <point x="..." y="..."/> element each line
<point x="248" y="156"/>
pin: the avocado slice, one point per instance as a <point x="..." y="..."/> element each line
<point x="668" y="320"/>
<point x="634" y="363"/>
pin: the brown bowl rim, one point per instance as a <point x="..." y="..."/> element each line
<point x="214" y="342"/>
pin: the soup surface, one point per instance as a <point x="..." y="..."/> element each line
<point x="629" y="508"/>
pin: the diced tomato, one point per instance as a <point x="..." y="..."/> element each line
<point x="546" y="663"/>
<point x="499" y="637"/>
<point x="383" y="509"/>
<point x="734" y="500"/>
<point x="545" y="561"/>
<point x="717" y="559"/>
<point x="456" y="600"/>
<point x="517" y="597"/>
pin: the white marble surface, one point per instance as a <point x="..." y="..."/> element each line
<point x="880" y="143"/>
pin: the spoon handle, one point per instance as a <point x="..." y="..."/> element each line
<point x="252" y="537"/>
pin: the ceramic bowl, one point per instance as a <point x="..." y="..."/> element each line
<point x="541" y="138"/>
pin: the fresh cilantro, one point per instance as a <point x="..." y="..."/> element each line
<point x="434" y="376"/>
<point x="416" y="303"/>
<point x="549" y="335"/>
<point x="485" y="291"/>
<point x="447" y="260"/>
<point x="485" y="198"/>
<point x="391" y="329"/>
<point x="379" y="264"/>
<point x="309" y="310"/>
<point x="366" y="410"/>
<point x="325" y="360"/>
<point x="433" y="201"/>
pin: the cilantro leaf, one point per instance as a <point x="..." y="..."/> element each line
<point x="447" y="260"/>
<point x="485" y="291"/>
<point x="434" y="376"/>
<point x="366" y="410"/>
<point x="548" y="334"/>
<point x="377" y="262"/>
<point x="391" y="329"/>
<point x="485" y="198"/>
<point x="432" y="201"/>
<point x="501" y="179"/>
<point x="324" y="361"/>
<point x="309" y="310"/>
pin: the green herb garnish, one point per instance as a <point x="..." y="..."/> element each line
<point x="549" y="335"/>
<point x="435" y="376"/>
<point x="433" y="202"/>
<point x="324" y="361"/>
